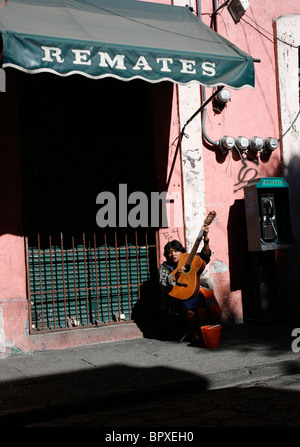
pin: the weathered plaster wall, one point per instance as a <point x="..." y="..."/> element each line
<point x="214" y="182"/>
<point x="288" y="30"/>
<point x="249" y="113"/>
<point x="13" y="315"/>
<point x="168" y="162"/>
<point x="192" y="159"/>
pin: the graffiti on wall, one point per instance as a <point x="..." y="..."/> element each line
<point x="247" y="173"/>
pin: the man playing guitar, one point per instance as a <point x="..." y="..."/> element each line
<point x="198" y="310"/>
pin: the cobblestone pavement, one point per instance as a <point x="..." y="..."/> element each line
<point x="270" y="403"/>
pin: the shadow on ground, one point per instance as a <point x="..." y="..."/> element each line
<point x="122" y="396"/>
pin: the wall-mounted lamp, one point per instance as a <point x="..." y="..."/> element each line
<point x="237" y="9"/>
<point x="223" y="96"/>
<point x="220" y="100"/>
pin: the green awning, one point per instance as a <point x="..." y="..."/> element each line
<point x="125" y="39"/>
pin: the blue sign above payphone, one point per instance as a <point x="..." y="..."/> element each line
<point x="273" y="182"/>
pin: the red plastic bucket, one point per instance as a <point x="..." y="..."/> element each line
<point x="211" y="335"/>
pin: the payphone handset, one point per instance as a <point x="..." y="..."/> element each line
<point x="268" y="218"/>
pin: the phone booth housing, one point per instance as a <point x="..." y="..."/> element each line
<point x="269" y="228"/>
<point x="268" y="216"/>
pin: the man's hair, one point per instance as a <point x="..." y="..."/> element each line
<point x="173" y="244"/>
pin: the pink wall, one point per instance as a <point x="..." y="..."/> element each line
<point x="13" y="316"/>
<point x="250" y="113"/>
<point x="168" y="160"/>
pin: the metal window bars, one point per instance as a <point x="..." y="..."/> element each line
<point x="87" y="282"/>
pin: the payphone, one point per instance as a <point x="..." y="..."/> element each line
<point x="268" y="216"/>
<point x="269" y="228"/>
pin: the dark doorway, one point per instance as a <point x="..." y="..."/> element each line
<point x="80" y="137"/>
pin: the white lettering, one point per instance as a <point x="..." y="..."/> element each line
<point x="168" y="217"/>
<point x="208" y="69"/>
<point x="81" y="57"/>
<point x="142" y="63"/>
<point x="165" y="64"/>
<point x="52" y="52"/>
<point x="172" y="436"/>
<point x="165" y="61"/>
<point x="188" y="66"/>
<point x="174" y="200"/>
<point x="117" y="61"/>
<point x="106" y="216"/>
<point x="138" y="216"/>
<point x="2" y="80"/>
<point x="123" y="205"/>
<point x="165" y="208"/>
<point x="296" y="343"/>
<point x="124" y="437"/>
<point x="156" y="197"/>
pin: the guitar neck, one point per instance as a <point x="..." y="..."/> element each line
<point x="207" y="221"/>
<point x="195" y="247"/>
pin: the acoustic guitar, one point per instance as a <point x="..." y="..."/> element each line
<point x="188" y="282"/>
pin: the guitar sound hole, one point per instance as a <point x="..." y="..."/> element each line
<point x="187" y="268"/>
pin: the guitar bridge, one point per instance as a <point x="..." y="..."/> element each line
<point x="181" y="284"/>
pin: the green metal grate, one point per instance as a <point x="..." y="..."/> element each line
<point x="85" y="284"/>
